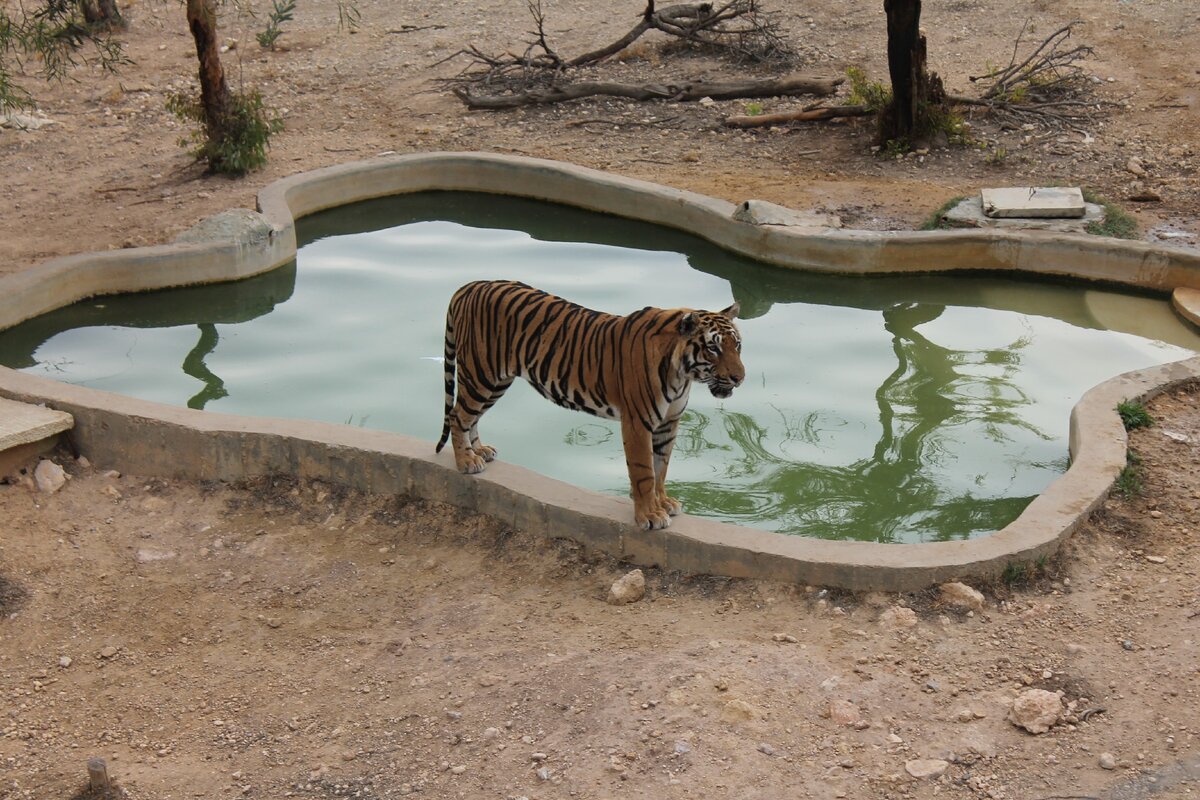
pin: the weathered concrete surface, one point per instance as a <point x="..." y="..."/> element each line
<point x="23" y="423"/>
<point x="149" y="438"/>
<point x="969" y="214"/>
<point x="1030" y="202"/>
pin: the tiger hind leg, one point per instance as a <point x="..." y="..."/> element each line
<point x="470" y="454"/>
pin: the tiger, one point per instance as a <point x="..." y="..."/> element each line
<point x="637" y="368"/>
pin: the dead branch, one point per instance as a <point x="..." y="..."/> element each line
<point x="694" y="90"/>
<point x="798" y="115"/>
<point x="1049" y="86"/>
<point x="738" y="27"/>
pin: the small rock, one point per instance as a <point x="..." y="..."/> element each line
<point x="1128" y="644"/>
<point x="108" y="652"/>
<point x="682" y="748"/>
<point x="785" y="637"/>
<point x="459" y="769"/>
<point x="49" y="476"/>
<point x="1108" y="761"/>
<point x="146" y="555"/>
<point x="1156" y="559"/>
<point x="64" y="661"/>
<point x="766" y="749"/>
<point x="926" y="768"/>
<point x="1134" y="165"/>
<point x="738" y="711"/>
<point x="491" y="733"/>
<point x="843" y="712"/>
<point x="543" y="773"/>
<point x="962" y="596"/>
<point x="629" y="588"/>
<point x="897" y="618"/>
<point x="537" y="756"/>
<point x="1036" y="710"/>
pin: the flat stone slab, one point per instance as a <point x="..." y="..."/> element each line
<point x="22" y="423"/>
<point x="969" y="214"/>
<point x="1024" y="202"/>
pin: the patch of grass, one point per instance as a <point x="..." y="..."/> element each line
<point x="875" y="95"/>
<point x="934" y="221"/>
<point x="1023" y="573"/>
<point x="1118" y="223"/>
<point x="753" y="109"/>
<point x="1015" y="573"/>
<point x="996" y="156"/>
<point x="1129" y="481"/>
<point x="243" y="145"/>
<point x="1134" y="415"/>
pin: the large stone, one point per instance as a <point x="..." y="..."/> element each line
<point x="1033" y="202"/>
<point x="961" y="595"/>
<point x="629" y="588"/>
<point x="926" y="768"/>
<point x="969" y="214"/>
<point x="761" y="212"/>
<point x="49" y="476"/>
<point x="1036" y="710"/>
<point x="240" y="225"/>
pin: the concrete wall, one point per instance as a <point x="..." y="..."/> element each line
<point x="153" y="439"/>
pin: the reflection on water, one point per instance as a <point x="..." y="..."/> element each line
<point x="885" y="409"/>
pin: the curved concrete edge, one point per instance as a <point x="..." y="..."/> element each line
<point x="65" y="280"/>
<point x="153" y="439"/>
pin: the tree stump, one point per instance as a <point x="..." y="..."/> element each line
<point x="915" y="90"/>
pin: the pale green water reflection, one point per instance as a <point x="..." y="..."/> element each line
<point x="885" y="409"/>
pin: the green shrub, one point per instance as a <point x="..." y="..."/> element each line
<point x="242" y="145"/>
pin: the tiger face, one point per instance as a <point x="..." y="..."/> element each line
<point x="712" y="351"/>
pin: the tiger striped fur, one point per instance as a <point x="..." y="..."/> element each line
<point x="638" y="368"/>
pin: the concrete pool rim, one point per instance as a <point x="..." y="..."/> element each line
<point x="154" y="439"/>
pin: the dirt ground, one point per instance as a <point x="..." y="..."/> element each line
<point x="276" y="640"/>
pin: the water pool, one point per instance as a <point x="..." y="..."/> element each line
<point x="881" y="409"/>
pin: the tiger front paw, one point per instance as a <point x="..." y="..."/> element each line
<point x="469" y="463"/>
<point x="652" y="519"/>
<point x="486" y="451"/>
<point x="671" y="505"/>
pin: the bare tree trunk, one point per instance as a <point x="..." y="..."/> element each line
<point x="914" y="89"/>
<point x="214" y="91"/>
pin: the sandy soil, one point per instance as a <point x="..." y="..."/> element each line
<point x="276" y="640"/>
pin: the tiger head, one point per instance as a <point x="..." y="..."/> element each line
<point x="712" y="349"/>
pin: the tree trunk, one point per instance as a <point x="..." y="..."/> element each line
<point x="214" y="92"/>
<point x="914" y="89"/>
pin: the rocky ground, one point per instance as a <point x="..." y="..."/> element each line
<point x="274" y="640"/>
<point x="284" y="640"/>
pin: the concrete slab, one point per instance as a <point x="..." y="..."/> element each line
<point x="970" y="214"/>
<point x="1024" y="202"/>
<point x="22" y="423"/>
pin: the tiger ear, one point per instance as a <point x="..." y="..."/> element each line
<point x="732" y="311"/>
<point x="687" y="324"/>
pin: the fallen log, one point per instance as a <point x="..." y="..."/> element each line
<point x="692" y="90"/>
<point x="799" y="115"/>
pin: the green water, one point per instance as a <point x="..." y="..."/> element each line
<point x="881" y="409"/>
